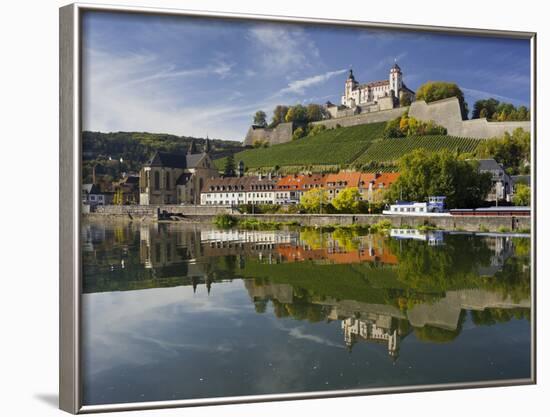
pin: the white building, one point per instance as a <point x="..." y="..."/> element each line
<point x="372" y="93"/>
<point x="233" y="191"/>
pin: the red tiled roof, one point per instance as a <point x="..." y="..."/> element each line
<point x="301" y="182"/>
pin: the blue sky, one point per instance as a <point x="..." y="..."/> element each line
<point x="194" y="76"/>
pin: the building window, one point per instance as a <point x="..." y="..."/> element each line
<point x="157" y="180"/>
<point x="167" y="181"/>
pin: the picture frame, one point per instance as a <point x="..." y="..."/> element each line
<point x="70" y="284"/>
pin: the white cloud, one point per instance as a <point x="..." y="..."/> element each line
<point x="283" y="49"/>
<point x="137" y="93"/>
<point x="480" y="94"/>
<point x="299" y="86"/>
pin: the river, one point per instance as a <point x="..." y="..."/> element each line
<point x="180" y="311"/>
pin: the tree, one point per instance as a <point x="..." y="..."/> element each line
<point x="312" y="200"/>
<point x="348" y="200"/>
<point x="522" y="195"/>
<point x="229" y="168"/>
<point x="279" y="114"/>
<point x="512" y="150"/>
<point x="260" y="118"/>
<point x="297" y="114"/>
<point x="315" y="112"/>
<point x="118" y="198"/>
<point x="316" y="129"/>
<point x="493" y="109"/>
<point x="409" y="126"/>
<point x="405" y="100"/>
<point x="425" y="174"/>
<point x="438" y="90"/>
<point x="298" y="133"/>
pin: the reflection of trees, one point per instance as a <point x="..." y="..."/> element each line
<point x="300" y="309"/>
<point x="346" y="239"/>
<point x="491" y="316"/>
<point x="436" y="269"/>
<point x="313" y="238"/>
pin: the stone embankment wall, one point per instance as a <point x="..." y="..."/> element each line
<point x="467" y="223"/>
<point x="207" y="214"/>
<point x="151" y="212"/>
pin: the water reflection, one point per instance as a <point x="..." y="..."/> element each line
<point x="402" y="294"/>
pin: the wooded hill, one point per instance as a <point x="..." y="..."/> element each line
<point x="105" y="150"/>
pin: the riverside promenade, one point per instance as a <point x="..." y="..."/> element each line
<point x="206" y="214"/>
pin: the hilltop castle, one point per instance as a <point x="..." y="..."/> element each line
<point x="372" y="96"/>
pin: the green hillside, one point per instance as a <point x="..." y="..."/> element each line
<point x="390" y="150"/>
<point x="331" y="147"/>
<point x="347" y="146"/>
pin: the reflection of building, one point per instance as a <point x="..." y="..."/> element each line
<point x="166" y="249"/>
<point x="502" y="248"/>
<point x="434" y="238"/>
<point x="358" y="249"/>
<point x="380" y="331"/>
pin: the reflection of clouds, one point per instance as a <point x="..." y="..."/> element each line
<point x="298" y="333"/>
<point x="134" y="328"/>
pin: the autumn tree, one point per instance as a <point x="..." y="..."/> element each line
<point x="522" y="195"/>
<point x="279" y="114"/>
<point x="315" y="112"/>
<point x="314" y="200"/>
<point x="296" y="114"/>
<point x="348" y="200"/>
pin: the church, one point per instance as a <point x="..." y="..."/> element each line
<point x="377" y="95"/>
<point x="171" y="178"/>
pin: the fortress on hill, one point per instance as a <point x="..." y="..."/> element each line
<point x="383" y="100"/>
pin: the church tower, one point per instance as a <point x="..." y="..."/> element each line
<point x="396" y="79"/>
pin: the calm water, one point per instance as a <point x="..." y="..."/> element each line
<point x="177" y="311"/>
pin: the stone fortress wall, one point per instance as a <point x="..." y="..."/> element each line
<point x="280" y="134"/>
<point x="444" y="112"/>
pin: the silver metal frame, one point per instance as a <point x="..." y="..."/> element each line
<point x="70" y="386"/>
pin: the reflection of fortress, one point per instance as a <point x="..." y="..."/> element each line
<point x="379" y="322"/>
<point x="372" y="330"/>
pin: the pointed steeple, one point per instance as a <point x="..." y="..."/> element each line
<point x="350" y="76"/>
<point x="207" y="145"/>
<point x="192" y="148"/>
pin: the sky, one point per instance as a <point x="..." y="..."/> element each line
<point x="196" y="77"/>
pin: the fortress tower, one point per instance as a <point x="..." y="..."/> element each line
<point x="396" y="79"/>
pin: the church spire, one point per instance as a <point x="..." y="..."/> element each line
<point x="207" y="145"/>
<point x="192" y="148"/>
